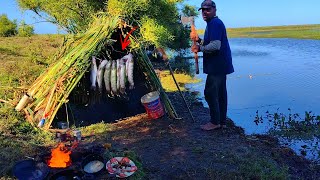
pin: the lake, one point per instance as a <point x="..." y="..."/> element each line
<point x="270" y="75"/>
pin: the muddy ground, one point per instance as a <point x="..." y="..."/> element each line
<point x="166" y="148"/>
<point x="179" y="149"/>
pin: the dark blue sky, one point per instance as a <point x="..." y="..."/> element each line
<point x="234" y="13"/>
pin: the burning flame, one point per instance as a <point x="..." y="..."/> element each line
<point x="60" y="157"/>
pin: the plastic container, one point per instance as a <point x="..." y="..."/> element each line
<point x="41" y="122"/>
<point x="62" y="125"/>
<point x="152" y="104"/>
<point x="77" y="135"/>
<point x="23" y="102"/>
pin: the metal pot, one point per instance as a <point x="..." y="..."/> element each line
<point x="30" y="169"/>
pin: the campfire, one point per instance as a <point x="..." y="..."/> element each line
<point x="69" y="160"/>
<point x="60" y="157"/>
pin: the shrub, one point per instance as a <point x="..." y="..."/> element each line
<point x="7" y="27"/>
<point x="25" y="30"/>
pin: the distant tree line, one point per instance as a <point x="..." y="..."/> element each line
<point x="12" y="28"/>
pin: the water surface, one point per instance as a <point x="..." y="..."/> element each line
<point x="270" y="75"/>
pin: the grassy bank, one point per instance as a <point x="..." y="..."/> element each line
<point x="293" y="31"/>
<point x="22" y="60"/>
<point x="225" y="154"/>
<point x="182" y="79"/>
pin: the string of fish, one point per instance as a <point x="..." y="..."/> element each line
<point x="114" y="74"/>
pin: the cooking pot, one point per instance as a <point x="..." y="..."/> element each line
<point x="30" y="169"/>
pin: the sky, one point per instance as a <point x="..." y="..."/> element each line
<point x="12" y="10"/>
<point x="234" y="13"/>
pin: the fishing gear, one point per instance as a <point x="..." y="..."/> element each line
<point x="165" y="58"/>
<point x="184" y="100"/>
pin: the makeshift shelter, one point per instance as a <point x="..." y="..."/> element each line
<point x="52" y="88"/>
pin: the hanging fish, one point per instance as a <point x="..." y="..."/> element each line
<point x="125" y="59"/>
<point x="93" y="73"/>
<point x="118" y="75"/>
<point x="100" y="74"/>
<point x="130" y="66"/>
<point x="106" y="77"/>
<point x="114" y="77"/>
<point x="122" y="76"/>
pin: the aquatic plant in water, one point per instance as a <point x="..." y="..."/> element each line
<point x="291" y="122"/>
<point x="293" y="128"/>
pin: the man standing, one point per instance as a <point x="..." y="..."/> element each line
<point x="217" y="63"/>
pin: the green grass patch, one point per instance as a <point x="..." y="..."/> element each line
<point x="181" y="78"/>
<point x="22" y="59"/>
<point x="18" y="139"/>
<point x="98" y="128"/>
<point x="247" y="166"/>
<point x="292" y="31"/>
<point x="296" y="31"/>
<point x="5" y="52"/>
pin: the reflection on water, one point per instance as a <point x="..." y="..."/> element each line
<point x="270" y="74"/>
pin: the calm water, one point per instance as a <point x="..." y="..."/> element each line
<point x="270" y="75"/>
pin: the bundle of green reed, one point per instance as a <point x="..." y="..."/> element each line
<point x="156" y="83"/>
<point x="145" y="63"/>
<point x="52" y="88"/>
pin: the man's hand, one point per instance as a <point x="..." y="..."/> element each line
<point x="195" y="48"/>
<point x="199" y="41"/>
<point x="164" y="55"/>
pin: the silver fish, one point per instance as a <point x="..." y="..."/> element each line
<point x="122" y="76"/>
<point x="118" y="75"/>
<point x="130" y="66"/>
<point x="100" y="74"/>
<point x="106" y="76"/>
<point x="114" y="77"/>
<point x="126" y="59"/>
<point x="93" y="73"/>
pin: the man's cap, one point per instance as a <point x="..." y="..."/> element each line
<point x="207" y="4"/>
